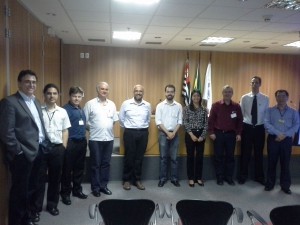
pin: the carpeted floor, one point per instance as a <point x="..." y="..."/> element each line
<point x="251" y="195"/>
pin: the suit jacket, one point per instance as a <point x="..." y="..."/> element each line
<point x="18" y="130"/>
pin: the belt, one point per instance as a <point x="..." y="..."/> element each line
<point x="253" y="126"/>
<point x="77" y="139"/>
<point x="225" y="131"/>
<point x="137" y="129"/>
<point x="57" y="145"/>
<point x="196" y="130"/>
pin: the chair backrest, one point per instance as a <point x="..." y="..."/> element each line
<point x="126" y="212"/>
<point x="285" y="215"/>
<point x="198" y="212"/>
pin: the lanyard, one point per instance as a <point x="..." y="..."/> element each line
<point x="50" y="118"/>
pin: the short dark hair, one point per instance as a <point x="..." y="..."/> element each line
<point x="50" y="86"/>
<point x="169" y="86"/>
<point x="282" y="90"/>
<point x="75" y="90"/>
<point x="23" y="73"/>
<point x="258" y="78"/>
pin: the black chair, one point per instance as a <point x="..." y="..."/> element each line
<point x="198" y="212"/>
<point x="127" y="212"/>
<point x="283" y="215"/>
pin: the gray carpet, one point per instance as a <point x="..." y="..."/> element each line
<point x="248" y="196"/>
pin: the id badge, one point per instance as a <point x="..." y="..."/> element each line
<point x="233" y="115"/>
<point x="81" y="122"/>
<point x="281" y="120"/>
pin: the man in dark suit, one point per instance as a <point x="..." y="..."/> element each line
<point x="21" y="131"/>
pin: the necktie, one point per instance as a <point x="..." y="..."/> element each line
<point x="254" y="111"/>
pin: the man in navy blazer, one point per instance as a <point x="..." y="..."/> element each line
<point x="21" y="131"/>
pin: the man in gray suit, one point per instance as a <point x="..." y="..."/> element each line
<point x="21" y="131"/>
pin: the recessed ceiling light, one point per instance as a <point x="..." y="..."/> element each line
<point x="127" y="35"/>
<point x="217" y="40"/>
<point x="294" y="44"/>
<point x="146" y="2"/>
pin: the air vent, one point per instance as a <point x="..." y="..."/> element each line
<point x="98" y="40"/>
<point x="152" y="43"/>
<point x="208" y="45"/>
<point x="259" y="47"/>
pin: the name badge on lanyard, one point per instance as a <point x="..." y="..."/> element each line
<point x="81" y="122"/>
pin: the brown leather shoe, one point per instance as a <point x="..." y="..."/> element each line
<point x="126" y="186"/>
<point x="139" y="185"/>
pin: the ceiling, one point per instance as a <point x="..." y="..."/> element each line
<point x="175" y="24"/>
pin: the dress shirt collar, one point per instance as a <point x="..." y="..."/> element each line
<point x="223" y="102"/>
<point x="46" y="108"/>
<point x="73" y="106"/>
<point x="26" y="97"/>
<point x="167" y="103"/>
<point x="132" y="101"/>
<point x="103" y="102"/>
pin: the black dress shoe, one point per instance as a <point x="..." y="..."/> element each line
<point x="220" y="181"/>
<point x="66" y="199"/>
<point x="96" y="193"/>
<point x="106" y="191"/>
<point x="200" y="182"/>
<point x="268" y="188"/>
<point x="161" y="183"/>
<point x="53" y="211"/>
<point x="230" y="182"/>
<point x="35" y="217"/>
<point x="80" y="195"/>
<point x="191" y="185"/>
<point x="287" y="191"/>
<point x="175" y="183"/>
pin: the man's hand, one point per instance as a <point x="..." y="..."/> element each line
<point x="212" y="137"/>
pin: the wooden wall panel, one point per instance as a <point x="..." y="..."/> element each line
<point x="52" y="62"/>
<point x="19" y="42"/>
<point x="4" y="180"/>
<point x="36" y="53"/>
<point x="122" y="68"/>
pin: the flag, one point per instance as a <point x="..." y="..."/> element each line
<point x="207" y="93"/>
<point x="197" y="81"/>
<point x="186" y="83"/>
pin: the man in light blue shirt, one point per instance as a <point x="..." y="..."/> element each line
<point x="168" y="118"/>
<point x="281" y="123"/>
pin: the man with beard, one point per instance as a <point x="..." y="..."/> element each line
<point x="135" y="118"/>
<point x="168" y="118"/>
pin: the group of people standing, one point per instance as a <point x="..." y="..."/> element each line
<point x="49" y="142"/>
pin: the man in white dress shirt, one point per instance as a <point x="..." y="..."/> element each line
<point x="134" y="116"/>
<point x="100" y="115"/>
<point x="49" y="161"/>
<point x="253" y="135"/>
<point x="168" y="118"/>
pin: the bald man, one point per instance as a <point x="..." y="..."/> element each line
<point x="135" y="118"/>
<point x="100" y="115"/>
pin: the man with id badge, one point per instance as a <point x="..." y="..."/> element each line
<point x="74" y="156"/>
<point x="281" y="123"/>
<point x="50" y="159"/>
<point x="225" y="124"/>
<point x="101" y="114"/>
